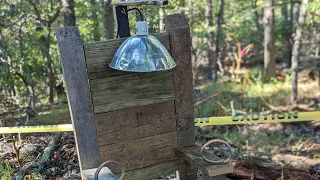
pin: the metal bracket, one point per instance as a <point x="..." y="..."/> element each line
<point x="122" y="21"/>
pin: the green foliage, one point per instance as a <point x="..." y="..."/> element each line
<point x="22" y="34"/>
<point x="5" y="170"/>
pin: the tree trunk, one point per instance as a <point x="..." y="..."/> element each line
<point x="162" y="15"/>
<point x="296" y="51"/>
<point x="212" y="61"/>
<point x="219" y="34"/>
<point x="50" y="71"/>
<point x="94" y="17"/>
<point x="294" y="14"/>
<point x="256" y="18"/>
<point x="69" y="17"/>
<point x="286" y="35"/>
<point x="269" y="39"/>
<point x="46" y="43"/>
<point x="25" y="75"/>
<point x="108" y="18"/>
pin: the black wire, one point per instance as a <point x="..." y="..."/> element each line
<point x="139" y="11"/>
<point x="125" y="12"/>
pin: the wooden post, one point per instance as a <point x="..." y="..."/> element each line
<point x="79" y="98"/>
<point x="180" y="42"/>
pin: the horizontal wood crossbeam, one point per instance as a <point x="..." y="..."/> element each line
<point x="193" y="155"/>
<point x="142" y="152"/>
<point x="152" y="172"/>
<point x="131" y="90"/>
<point x="135" y="123"/>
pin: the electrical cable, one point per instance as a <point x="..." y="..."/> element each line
<point x="141" y="18"/>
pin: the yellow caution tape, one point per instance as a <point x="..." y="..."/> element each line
<point x="259" y="118"/>
<point x="227" y="120"/>
<point x="35" y="129"/>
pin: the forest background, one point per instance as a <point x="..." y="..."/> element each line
<point x="248" y="56"/>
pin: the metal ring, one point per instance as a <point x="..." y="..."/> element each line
<point x="216" y="161"/>
<point x="96" y="174"/>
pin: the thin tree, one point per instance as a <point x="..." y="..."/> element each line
<point x="219" y="34"/>
<point x="161" y="19"/>
<point x="47" y="22"/>
<point x="256" y="19"/>
<point x="286" y="35"/>
<point x="108" y="18"/>
<point x="269" y="41"/>
<point x="94" y="18"/>
<point x="69" y="17"/>
<point x="296" y="50"/>
<point x="210" y="43"/>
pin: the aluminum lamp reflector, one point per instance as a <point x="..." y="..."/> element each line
<point x="142" y="53"/>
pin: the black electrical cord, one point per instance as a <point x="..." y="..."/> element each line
<point x="141" y="18"/>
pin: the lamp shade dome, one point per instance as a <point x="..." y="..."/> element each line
<point x="142" y="54"/>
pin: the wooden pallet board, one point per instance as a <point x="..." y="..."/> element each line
<point x="135" y="123"/>
<point x="142" y="152"/>
<point x="131" y="90"/>
<point x="99" y="55"/>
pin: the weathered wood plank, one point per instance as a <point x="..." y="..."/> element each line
<point x="180" y="44"/>
<point x="152" y="172"/>
<point x="80" y="104"/>
<point x="136" y="89"/>
<point x="99" y="55"/>
<point x="193" y="155"/>
<point x="135" y="123"/>
<point x="139" y="153"/>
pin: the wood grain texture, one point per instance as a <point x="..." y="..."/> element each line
<point x="180" y="43"/>
<point x="135" y="123"/>
<point x="131" y="90"/>
<point x="152" y="172"/>
<point x="80" y="104"/>
<point x="142" y="152"/>
<point x="193" y="155"/>
<point x="99" y="55"/>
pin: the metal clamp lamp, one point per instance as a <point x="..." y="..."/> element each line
<point x="142" y="53"/>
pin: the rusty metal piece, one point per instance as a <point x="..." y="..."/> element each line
<point x="221" y="159"/>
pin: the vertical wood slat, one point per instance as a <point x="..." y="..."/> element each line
<point x="79" y="98"/>
<point x="180" y="44"/>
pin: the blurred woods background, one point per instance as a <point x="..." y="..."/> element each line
<point x="248" y="56"/>
<point x="234" y="43"/>
<point x="278" y="33"/>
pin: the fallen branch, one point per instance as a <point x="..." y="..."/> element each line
<point x="298" y="162"/>
<point x="44" y="160"/>
<point x="198" y="103"/>
<point x="255" y="168"/>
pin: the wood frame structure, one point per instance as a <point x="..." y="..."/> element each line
<point x="142" y="120"/>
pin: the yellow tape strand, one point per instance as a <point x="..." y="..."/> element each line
<point x="259" y="118"/>
<point x="227" y="120"/>
<point x="36" y="129"/>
